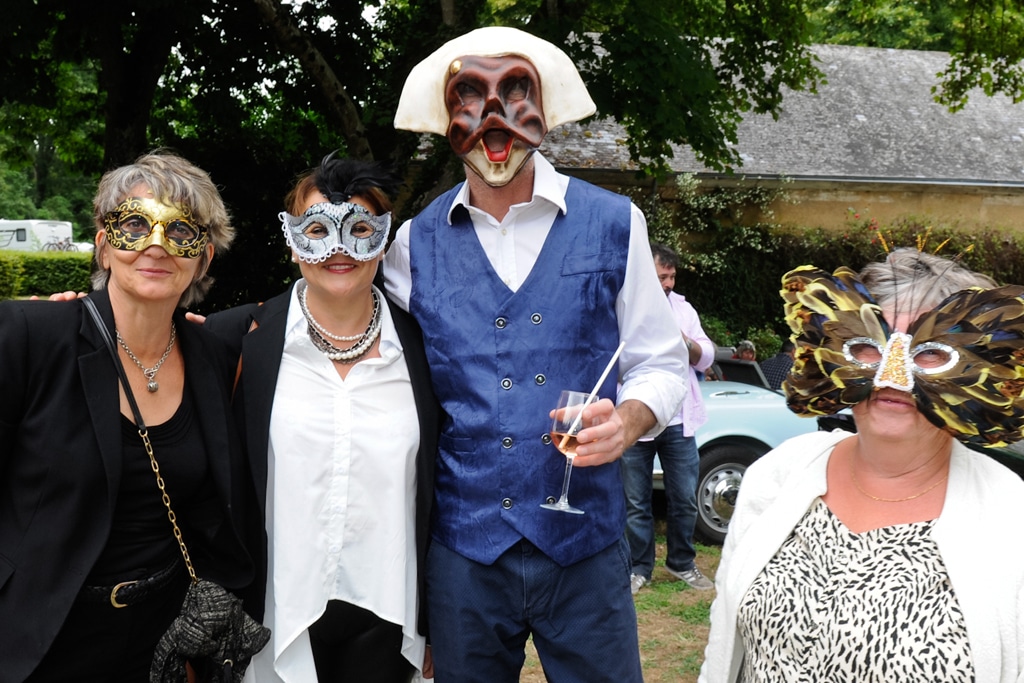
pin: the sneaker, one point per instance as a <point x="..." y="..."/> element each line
<point x="693" y="578"/>
<point x="636" y="582"/>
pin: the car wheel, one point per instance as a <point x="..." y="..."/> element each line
<point x="721" y="473"/>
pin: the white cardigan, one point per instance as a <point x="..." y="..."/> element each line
<point x="979" y="534"/>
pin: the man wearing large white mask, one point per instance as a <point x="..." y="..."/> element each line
<point x="525" y="281"/>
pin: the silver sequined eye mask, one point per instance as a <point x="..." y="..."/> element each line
<point x="325" y="229"/>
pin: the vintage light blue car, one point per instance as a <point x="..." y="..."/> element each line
<point x="744" y="423"/>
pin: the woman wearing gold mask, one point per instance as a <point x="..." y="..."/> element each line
<point x="90" y="572"/>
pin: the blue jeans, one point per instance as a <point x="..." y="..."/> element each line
<point x="681" y="465"/>
<point x="581" y="617"/>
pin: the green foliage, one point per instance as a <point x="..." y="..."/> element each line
<point x="685" y="73"/>
<point x="767" y="340"/>
<point x="719" y="330"/>
<point x="733" y="257"/>
<point x="11" y="268"/>
<point x="991" y="250"/>
<point x="87" y="85"/>
<point x="15" y="194"/>
<point x="662" y="216"/>
<point x="35" y="183"/>
<point x="985" y="38"/>
<point x="725" y="242"/>
<point x="989" y="54"/>
<point x="900" y="24"/>
<point x="26" y="273"/>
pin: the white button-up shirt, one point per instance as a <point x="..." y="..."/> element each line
<point x="341" y="492"/>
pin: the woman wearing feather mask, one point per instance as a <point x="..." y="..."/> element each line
<point x="892" y="554"/>
<point x="341" y="428"/>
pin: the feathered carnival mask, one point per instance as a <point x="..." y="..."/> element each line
<point x="962" y="360"/>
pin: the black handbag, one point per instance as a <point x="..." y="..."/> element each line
<point x="212" y="639"/>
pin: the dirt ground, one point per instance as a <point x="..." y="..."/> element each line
<point x="672" y="620"/>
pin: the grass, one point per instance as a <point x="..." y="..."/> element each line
<point x="672" y="621"/>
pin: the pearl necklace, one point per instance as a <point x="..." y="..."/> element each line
<point x="150" y="373"/>
<point x="324" y="332"/>
<point x="319" y="335"/>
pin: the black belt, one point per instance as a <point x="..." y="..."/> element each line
<point x="132" y="592"/>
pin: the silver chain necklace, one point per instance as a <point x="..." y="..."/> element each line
<point x="352" y="353"/>
<point x="150" y="373"/>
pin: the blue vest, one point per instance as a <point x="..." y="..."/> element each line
<point x="499" y="359"/>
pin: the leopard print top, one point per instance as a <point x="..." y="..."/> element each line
<point x="842" y="607"/>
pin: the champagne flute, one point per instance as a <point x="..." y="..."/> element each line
<point x="565" y="441"/>
<point x="566" y="424"/>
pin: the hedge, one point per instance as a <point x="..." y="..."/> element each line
<point x="27" y="273"/>
<point x="731" y="266"/>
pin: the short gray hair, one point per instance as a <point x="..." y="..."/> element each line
<point x="917" y="281"/>
<point x="175" y="180"/>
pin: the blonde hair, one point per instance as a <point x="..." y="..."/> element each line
<point x="912" y="280"/>
<point x="172" y="179"/>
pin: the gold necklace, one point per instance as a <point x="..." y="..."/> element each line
<point x="856" y="484"/>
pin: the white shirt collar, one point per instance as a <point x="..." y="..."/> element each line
<point x="548" y="185"/>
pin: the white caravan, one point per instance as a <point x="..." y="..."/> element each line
<point x="39" y="235"/>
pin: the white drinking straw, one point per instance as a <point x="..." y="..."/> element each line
<point x="593" y="393"/>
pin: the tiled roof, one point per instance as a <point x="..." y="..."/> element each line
<point x="874" y="119"/>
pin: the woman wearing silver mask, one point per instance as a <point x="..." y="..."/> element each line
<point x="342" y="429"/>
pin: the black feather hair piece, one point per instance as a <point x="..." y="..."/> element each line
<point x="339" y="179"/>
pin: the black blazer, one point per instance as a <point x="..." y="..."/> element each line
<point x="261" y="350"/>
<point x="60" y="466"/>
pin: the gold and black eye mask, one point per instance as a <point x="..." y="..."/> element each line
<point x="139" y="222"/>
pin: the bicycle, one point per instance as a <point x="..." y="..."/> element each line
<point x="61" y="245"/>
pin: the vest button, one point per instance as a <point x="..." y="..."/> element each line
<point x="546" y="439"/>
<point x="540" y="379"/>
<point x="506" y="384"/>
<point x="500" y="323"/>
<point x="536" y="318"/>
<point x="550" y="500"/>
<point x="506" y="503"/>
<point x="507" y="442"/>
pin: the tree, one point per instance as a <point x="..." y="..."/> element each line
<point x="132" y="45"/>
<point x="989" y="53"/>
<point x="985" y="38"/>
<point x="256" y="90"/>
<point x="294" y="42"/>
<point x="127" y="42"/>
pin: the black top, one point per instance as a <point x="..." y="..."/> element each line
<point x="141" y="536"/>
<point x="61" y="455"/>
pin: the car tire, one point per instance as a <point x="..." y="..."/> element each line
<point x="721" y="472"/>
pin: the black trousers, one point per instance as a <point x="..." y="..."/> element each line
<point x="99" y="643"/>
<point x="354" y="645"/>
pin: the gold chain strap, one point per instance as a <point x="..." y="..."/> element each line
<point x="167" y="504"/>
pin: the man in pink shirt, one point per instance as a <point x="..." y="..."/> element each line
<point x="677" y="450"/>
